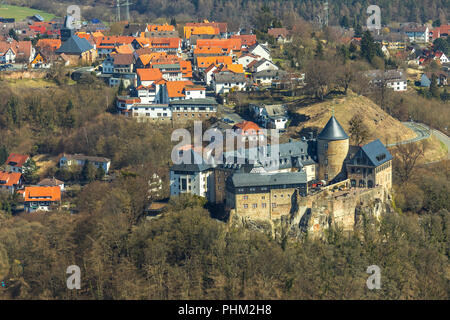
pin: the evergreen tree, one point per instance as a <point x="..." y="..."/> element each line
<point x="29" y="171"/>
<point x="100" y="173"/>
<point x="358" y="31"/>
<point x="319" y="49"/>
<point x="344" y="22"/>
<point x="434" y="90"/>
<point x="3" y="154"/>
<point x="368" y="46"/>
<point x="88" y="172"/>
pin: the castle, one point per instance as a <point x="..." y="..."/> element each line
<point x="270" y="188"/>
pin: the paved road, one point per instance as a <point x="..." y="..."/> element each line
<point x="421" y="130"/>
<point x="424" y="132"/>
<point x="230" y="114"/>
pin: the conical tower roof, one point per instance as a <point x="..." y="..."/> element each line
<point x="332" y="131"/>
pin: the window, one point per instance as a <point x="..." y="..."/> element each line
<point x="274" y="205"/>
<point x="245" y="206"/>
<point x="245" y="197"/>
<point x="255" y="205"/>
<point x="263" y="205"/>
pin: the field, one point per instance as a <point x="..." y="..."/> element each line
<point x="20" y="13"/>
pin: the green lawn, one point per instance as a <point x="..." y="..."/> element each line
<point x="20" y="13"/>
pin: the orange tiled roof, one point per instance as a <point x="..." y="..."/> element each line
<point x="49" y="43"/>
<point x="125" y="49"/>
<point x="42" y="194"/>
<point x="204" y="62"/>
<point x="160" y="27"/>
<point x="149" y="74"/>
<point x="235" y="68"/>
<point x="230" y="44"/>
<point x="10" y="178"/>
<point x="246" y="39"/>
<point x="207" y="50"/>
<point x="190" y="30"/>
<point x="248" y="127"/>
<point x="175" y="88"/>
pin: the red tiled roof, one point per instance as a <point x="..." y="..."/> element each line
<point x="248" y="127"/>
<point x="16" y="160"/>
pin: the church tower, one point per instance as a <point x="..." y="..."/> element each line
<point x="332" y="149"/>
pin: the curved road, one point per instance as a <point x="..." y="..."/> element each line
<point x="424" y="132"/>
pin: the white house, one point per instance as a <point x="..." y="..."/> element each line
<point x="68" y="160"/>
<point x="394" y="79"/>
<point x="260" y="50"/>
<point x="261" y="65"/>
<point x="223" y="82"/>
<point x="161" y="112"/>
<point x="270" y="116"/>
<point x="248" y="58"/>
<point x="193" y="176"/>
<point x="195" y="92"/>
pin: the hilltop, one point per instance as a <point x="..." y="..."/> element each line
<point x="380" y="124"/>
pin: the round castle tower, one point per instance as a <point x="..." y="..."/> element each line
<point x="332" y="149"/>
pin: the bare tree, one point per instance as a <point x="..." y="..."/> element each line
<point x="407" y="157"/>
<point x="359" y="132"/>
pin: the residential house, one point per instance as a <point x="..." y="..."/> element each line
<point x="197" y="109"/>
<point x="441" y="57"/>
<point x="15" y="162"/>
<point x="280" y="34"/>
<point x="271" y="116"/>
<point x="12" y="51"/>
<point x="10" y="181"/>
<point x="261" y="65"/>
<point x="39" y="198"/>
<point x="205" y="62"/>
<point x="223" y="82"/>
<point x="441" y="78"/>
<point x="394" y="79"/>
<point x="147" y="77"/>
<point x="418" y="34"/>
<point x="260" y="50"/>
<point x="247" y="40"/>
<point x="267" y="77"/>
<point x="51" y="182"/>
<point x="246" y="59"/>
<point x="193" y="175"/>
<point x="68" y="160"/>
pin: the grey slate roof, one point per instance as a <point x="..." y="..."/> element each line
<point x="229" y="77"/>
<point x="376" y="152"/>
<point x="202" y="101"/>
<point x="267" y="179"/>
<point x="271" y="73"/>
<point x="198" y="164"/>
<point x="332" y="131"/>
<point x="74" y="45"/>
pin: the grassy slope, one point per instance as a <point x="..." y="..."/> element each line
<point x="20" y="13"/>
<point x="380" y="124"/>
